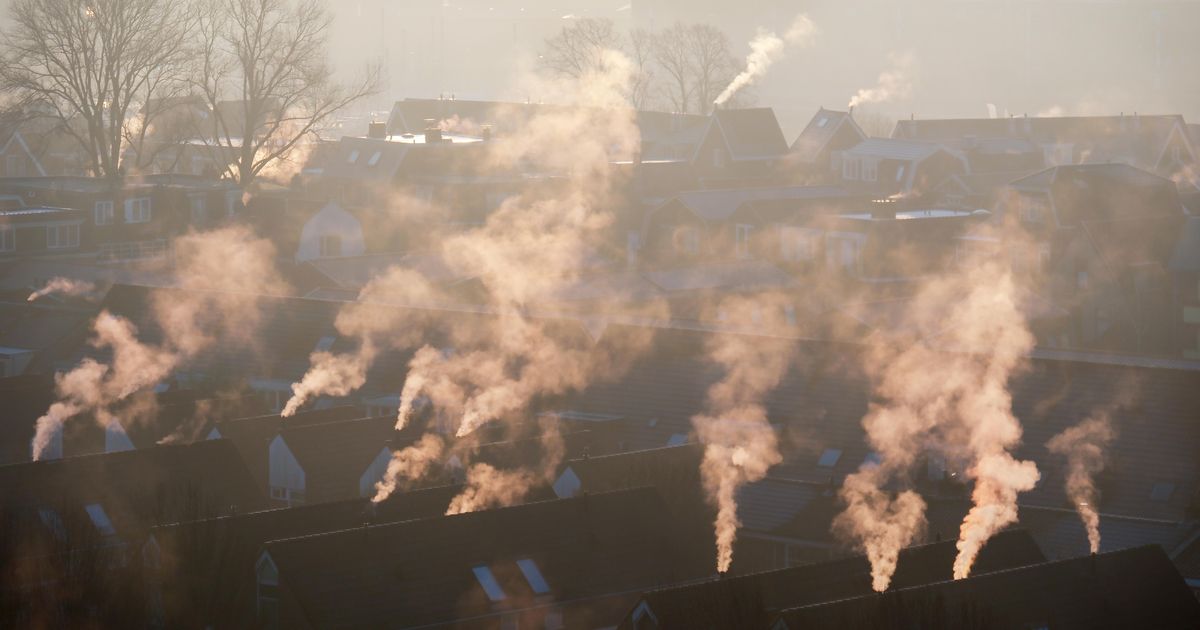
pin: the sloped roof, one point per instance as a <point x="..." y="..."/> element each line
<point x="748" y="601"/>
<point x="893" y="149"/>
<point x="351" y="159"/>
<point x="752" y="133"/>
<point x="823" y="126"/>
<point x="335" y="454"/>
<point x="421" y="571"/>
<point x="1087" y="592"/>
<point x="1186" y="256"/>
<point x="721" y="203"/>
<point x="1096" y="192"/>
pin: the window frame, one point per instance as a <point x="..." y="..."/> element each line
<point x="109" y="214"/>
<point x="56" y="243"/>
<point x="8" y="238"/>
<point x="143" y="208"/>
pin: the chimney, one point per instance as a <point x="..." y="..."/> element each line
<point x="1137" y="122"/>
<point x="485" y="132"/>
<point x="377" y="130"/>
<point x="850" y="112"/>
<point x="433" y="134"/>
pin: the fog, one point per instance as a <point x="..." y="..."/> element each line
<point x="1025" y="57"/>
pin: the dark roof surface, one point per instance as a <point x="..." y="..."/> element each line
<point x="752" y="133"/>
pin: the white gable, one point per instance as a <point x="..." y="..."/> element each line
<point x="331" y="220"/>
<point x="567" y="484"/>
<point x="374" y="472"/>
<point x="115" y="438"/>
<point x="284" y="470"/>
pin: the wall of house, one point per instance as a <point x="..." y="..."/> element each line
<point x="330" y="222"/>
<point x="284" y="473"/>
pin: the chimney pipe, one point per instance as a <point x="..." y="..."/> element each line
<point x="377" y="130"/>
<point x="433" y="134"/>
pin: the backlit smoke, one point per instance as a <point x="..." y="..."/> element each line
<point x="740" y="445"/>
<point x="489" y="487"/>
<point x="373" y="326"/>
<point x="943" y="393"/>
<point x="765" y="49"/>
<point x="409" y="464"/>
<point x="895" y="83"/>
<point x="1084" y="446"/>
<point x="222" y="274"/>
<point x="63" y="286"/>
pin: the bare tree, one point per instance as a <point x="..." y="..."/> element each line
<point x="697" y="64"/>
<point x="265" y="76"/>
<point x="641" y="53"/>
<point x="579" y="48"/>
<point x="672" y="53"/>
<point x="92" y="62"/>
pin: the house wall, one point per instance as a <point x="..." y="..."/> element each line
<point x="330" y="221"/>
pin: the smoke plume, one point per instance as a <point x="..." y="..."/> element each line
<point x="409" y="464"/>
<point x="63" y="286"/>
<point x="222" y="274"/>
<point x="1084" y="446"/>
<point x="765" y="49"/>
<point x="943" y="393"/>
<point x="489" y="487"/>
<point x="740" y="445"/>
<point x="894" y="83"/>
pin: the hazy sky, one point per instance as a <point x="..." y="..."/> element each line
<point x="1042" y="56"/>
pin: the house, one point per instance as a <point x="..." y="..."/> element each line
<point x="330" y="461"/>
<point x="1085" y="592"/>
<point x="203" y="571"/>
<point x="828" y="132"/>
<point x="740" y="146"/>
<point x="890" y="166"/>
<point x="1104" y="234"/>
<point x="44" y="232"/>
<point x="1185" y="275"/>
<point x="566" y="563"/>
<point x="330" y="233"/>
<point x="1158" y="144"/>
<point x="751" y="600"/>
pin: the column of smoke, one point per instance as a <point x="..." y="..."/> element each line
<point x="530" y="248"/>
<point x="765" y="49"/>
<point x="63" y="286"/>
<point x="222" y="274"/>
<point x="895" y="83"/>
<point x="489" y="487"/>
<point x="739" y="444"/>
<point x="1084" y="447"/>
<point x="952" y="400"/>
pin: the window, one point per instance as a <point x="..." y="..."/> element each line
<point x="870" y="170"/>
<point x="53" y="522"/>
<point x="1033" y="209"/>
<point x="488" y="581"/>
<point x="742" y="240"/>
<point x="554" y="620"/>
<point x="900" y="173"/>
<point x="677" y="439"/>
<point x="287" y="495"/>
<point x="1081" y="279"/>
<point x="1162" y="491"/>
<point x="137" y="210"/>
<point x="95" y="511"/>
<point x="689" y="240"/>
<point x="353" y="156"/>
<point x="15" y="166"/>
<point x="268" y="592"/>
<point x="829" y="458"/>
<point x="232" y="199"/>
<point x="62" y="236"/>
<point x="104" y="212"/>
<point x="789" y="313"/>
<point x="331" y="245"/>
<point x="532" y="575"/>
<point x="822" y="121"/>
<point x="851" y="168"/>
<point x="199" y="209"/>
<point x="8" y="238"/>
<point x="374" y="158"/>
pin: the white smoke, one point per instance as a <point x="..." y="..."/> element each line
<point x="893" y="84"/>
<point x="63" y="286"/>
<point x="765" y="49"/>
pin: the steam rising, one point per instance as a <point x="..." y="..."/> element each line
<point x="739" y="444"/>
<point x="64" y="286"/>
<point x="1084" y="447"/>
<point x="765" y="49"/>
<point x="222" y="273"/>
<point x="894" y="83"/>
<point x="952" y="402"/>
<point x="488" y="487"/>
<point x="409" y="464"/>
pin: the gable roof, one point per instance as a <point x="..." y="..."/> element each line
<point x="893" y="149"/>
<point x="334" y="455"/>
<point x="820" y="130"/>
<point x="748" y="601"/>
<point x="750" y="134"/>
<point x="1100" y="192"/>
<point x="718" y="204"/>
<point x="421" y="571"/>
<point x="1088" y="592"/>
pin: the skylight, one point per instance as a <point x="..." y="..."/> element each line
<point x="1162" y="492"/>
<point x="829" y="458"/>
<point x="533" y="576"/>
<point x="353" y="156"/>
<point x="822" y="121"/>
<point x="53" y="521"/>
<point x="99" y="518"/>
<point x="374" y="158"/>
<point x="489" y="583"/>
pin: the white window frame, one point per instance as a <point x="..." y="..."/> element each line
<point x="851" y="168"/>
<point x="198" y="208"/>
<point x="105" y="212"/>
<point x="870" y="170"/>
<point x="54" y="239"/>
<point x="137" y="210"/>
<point x="8" y="238"/>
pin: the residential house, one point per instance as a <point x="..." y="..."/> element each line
<point x="1086" y="592"/>
<point x="41" y="231"/>
<point x="888" y="166"/>
<point x="1104" y="234"/>
<point x="1159" y="144"/>
<point x="811" y="154"/>
<point x="740" y="147"/>
<point x="1185" y="275"/>
<point x="331" y="461"/>
<point x="752" y="600"/>
<point x="566" y="563"/>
